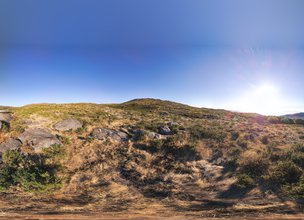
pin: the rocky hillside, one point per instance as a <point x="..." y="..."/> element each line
<point x="149" y="156"/>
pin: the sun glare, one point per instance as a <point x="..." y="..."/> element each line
<point x="263" y="99"/>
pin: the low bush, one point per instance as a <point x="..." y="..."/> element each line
<point x="283" y="173"/>
<point x="198" y="132"/>
<point x="32" y="172"/>
<point x="244" y="181"/>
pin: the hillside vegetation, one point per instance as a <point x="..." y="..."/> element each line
<point x="150" y="156"/>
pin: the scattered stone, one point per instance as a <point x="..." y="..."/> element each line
<point x="172" y="123"/>
<point x="165" y="130"/>
<point x="148" y="134"/>
<point x="9" y="144"/>
<point x="68" y="124"/>
<point x="153" y="135"/>
<point x="38" y="138"/>
<point x="109" y="134"/>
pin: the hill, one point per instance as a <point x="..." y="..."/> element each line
<point x="296" y="116"/>
<point x="149" y="157"/>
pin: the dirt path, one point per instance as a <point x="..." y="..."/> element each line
<point x="137" y="217"/>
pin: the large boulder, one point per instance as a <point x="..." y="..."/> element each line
<point x="9" y="144"/>
<point x="109" y="134"/>
<point x="38" y="138"/>
<point x="68" y="124"/>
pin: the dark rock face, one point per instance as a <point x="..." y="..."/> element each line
<point x="109" y="134"/>
<point x="10" y="144"/>
<point x="38" y="138"/>
<point x="68" y="124"/>
<point x="165" y="130"/>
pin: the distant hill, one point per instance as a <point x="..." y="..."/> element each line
<point x="295" y="116"/>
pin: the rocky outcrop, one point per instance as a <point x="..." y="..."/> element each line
<point x="68" y="125"/>
<point x="38" y="138"/>
<point x="9" y="144"/>
<point x="109" y="134"/>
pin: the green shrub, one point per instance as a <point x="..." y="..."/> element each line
<point x="198" y="132"/>
<point x="274" y="119"/>
<point x="265" y="140"/>
<point x="244" y="181"/>
<point x="55" y="152"/>
<point x="296" y="154"/>
<point x="287" y="121"/>
<point x="285" y="172"/>
<point x="299" y="121"/>
<point x="234" y="136"/>
<point x="30" y="172"/>
<point x="295" y="190"/>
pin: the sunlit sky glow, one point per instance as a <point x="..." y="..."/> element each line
<point x="203" y="53"/>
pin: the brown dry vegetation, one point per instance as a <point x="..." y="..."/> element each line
<point x="215" y="164"/>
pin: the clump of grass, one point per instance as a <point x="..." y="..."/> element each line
<point x="64" y="140"/>
<point x="253" y="164"/>
<point x="5" y="127"/>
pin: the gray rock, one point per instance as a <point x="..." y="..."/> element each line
<point x="5" y="117"/>
<point x="10" y="144"/>
<point x="38" y="138"/>
<point x="149" y="134"/>
<point x="172" y="123"/>
<point x="68" y="124"/>
<point x="165" y="130"/>
<point x="109" y="134"/>
<point x="153" y="135"/>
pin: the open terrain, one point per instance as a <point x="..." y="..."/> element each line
<point x="148" y="158"/>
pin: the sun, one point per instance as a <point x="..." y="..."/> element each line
<point x="263" y="98"/>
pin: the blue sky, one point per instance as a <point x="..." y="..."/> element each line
<point x="237" y="55"/>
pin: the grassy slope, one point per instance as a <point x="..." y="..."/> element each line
<point x="216" y="159"/>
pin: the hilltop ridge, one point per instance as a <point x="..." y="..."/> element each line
<point x="150" y="155"/>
